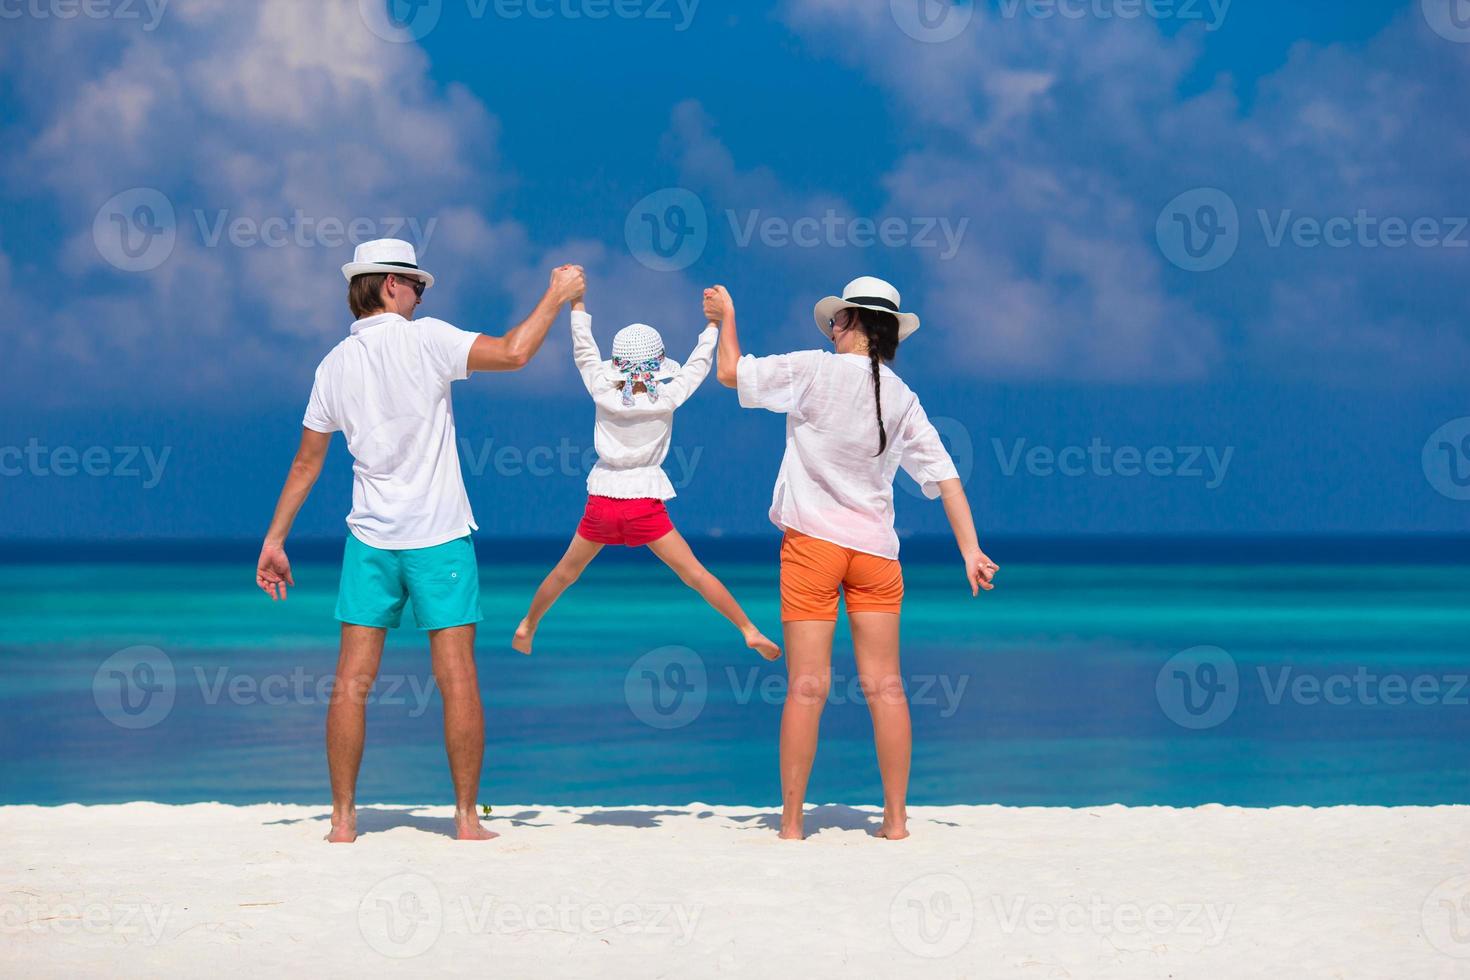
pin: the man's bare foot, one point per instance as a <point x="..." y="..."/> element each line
<point x="757" y="641"/>
<point x="467" y="827"/>
<point x="791" y="831"/>
<point x="522" y="640"/>
<point x="344" y="829"/>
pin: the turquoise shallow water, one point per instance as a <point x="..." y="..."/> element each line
<point x="177" y="681"/>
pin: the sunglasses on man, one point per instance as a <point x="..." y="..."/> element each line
<point x="417" y="285"/>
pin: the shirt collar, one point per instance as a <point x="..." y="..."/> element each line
<point x="373" y="321"/>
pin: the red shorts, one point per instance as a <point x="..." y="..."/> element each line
<point x="608" y="520"/>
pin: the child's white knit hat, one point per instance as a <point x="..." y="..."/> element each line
<point x="636" y="343"/>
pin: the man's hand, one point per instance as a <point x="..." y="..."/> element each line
<point x="981" y="571"/>
<point x="273" y="571"/>
<point x="717" y="304"/>
<point x="568" y="283"/>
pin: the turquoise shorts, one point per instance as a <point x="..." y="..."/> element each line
<point x="443" y="583"/>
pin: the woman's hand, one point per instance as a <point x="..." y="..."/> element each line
<point x="980" y="570"/>
<point x="717" y="304"/>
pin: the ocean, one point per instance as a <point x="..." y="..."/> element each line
<point x="1176" y="672"/>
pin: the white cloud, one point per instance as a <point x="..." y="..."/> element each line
<point x="1063" y="138"/>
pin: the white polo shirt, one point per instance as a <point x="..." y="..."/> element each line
<point x="833" y="485"/>
<point x="386" y="388"/>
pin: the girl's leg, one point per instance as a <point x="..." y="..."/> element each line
<point x="809" y="670"/>
<point x="579" y="554"/>
<point x="875" y="647"/>
<point x="674" y="551"/>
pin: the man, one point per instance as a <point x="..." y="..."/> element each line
<point x="386" y="388"/>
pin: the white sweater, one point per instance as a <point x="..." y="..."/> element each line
<point x="632" y="440"/>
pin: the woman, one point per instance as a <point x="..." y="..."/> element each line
<point x="850" y="424"/>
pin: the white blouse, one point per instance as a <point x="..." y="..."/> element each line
<point x="832" y="484"/>
<point x="632" y="440"/>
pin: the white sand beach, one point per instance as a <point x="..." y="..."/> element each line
<point x="149" y="890"/>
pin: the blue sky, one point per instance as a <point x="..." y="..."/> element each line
<point x="1195" y="272"/>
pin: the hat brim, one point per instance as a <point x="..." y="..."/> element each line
<point x="353" y="269"/>
<point x="829" y="308"/>
<point x="668" y="369"/>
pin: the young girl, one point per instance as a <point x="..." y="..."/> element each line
<point x="636" y="393"/>
<point x="850" y="424"/>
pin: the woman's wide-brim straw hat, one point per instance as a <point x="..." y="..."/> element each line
<point x="867" y="293"/>
<point x="386" y="255"/>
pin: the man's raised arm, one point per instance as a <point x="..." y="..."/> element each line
<point x="515" y="350"/>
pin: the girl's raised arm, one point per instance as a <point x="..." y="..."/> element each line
<point x="584" y="348"/>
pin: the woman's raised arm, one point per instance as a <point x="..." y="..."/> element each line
<point x="720" y="308"/>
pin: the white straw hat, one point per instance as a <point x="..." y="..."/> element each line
<point x="868" y="293"/>
<point x="390" y="255"/>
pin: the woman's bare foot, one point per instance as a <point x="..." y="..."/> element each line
<point x="467" y="827"/>
<point x="757" y="641"/>
<point x="791" y="826"/>
<point x="525" y="633"/>
<point x="344" y="829"/>
<point x="894" y="827"/>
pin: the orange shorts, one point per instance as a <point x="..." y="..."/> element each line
<point x="812" y="571"/>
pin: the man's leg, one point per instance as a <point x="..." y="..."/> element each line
<point x="578" y="556"/>
<point x="453" y="652"/>
<point x="357" y="668"/>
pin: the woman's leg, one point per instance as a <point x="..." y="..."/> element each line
<point x="579" y="554"/>
<point x="674" y="551"/>
<point x="809" y="673"/>
<point x="875" y="647"/>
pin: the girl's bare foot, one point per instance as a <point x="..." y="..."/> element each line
<point x="525" y="633"/>
<point x="344" y="829"/>
<point x="757" y="641"/>
<point x="467" y="827"/>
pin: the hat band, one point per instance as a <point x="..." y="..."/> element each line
<point x="401" y="265"/>
<point x="872" y="301"/>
